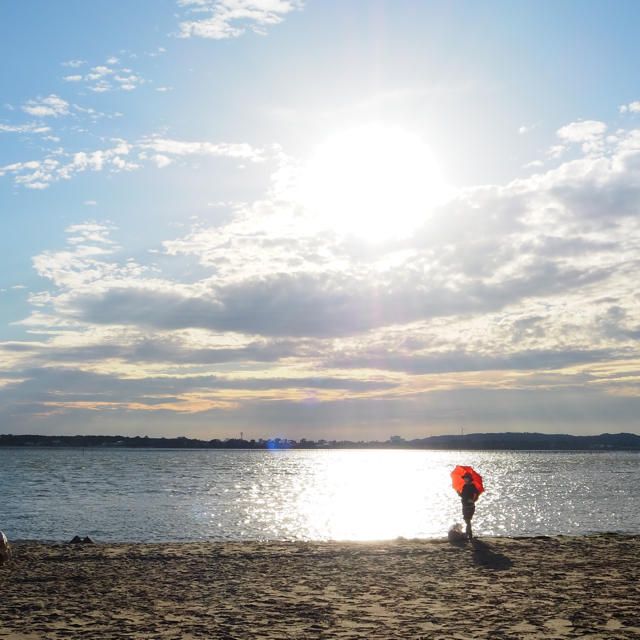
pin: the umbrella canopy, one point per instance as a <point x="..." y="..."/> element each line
<point x="457" y="481"/>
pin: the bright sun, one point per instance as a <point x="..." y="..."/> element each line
<point x="374" y="181"/>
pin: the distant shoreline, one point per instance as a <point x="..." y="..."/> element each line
<point x="509" y="441"/>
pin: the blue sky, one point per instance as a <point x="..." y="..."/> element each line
<point x="319" y="219"/>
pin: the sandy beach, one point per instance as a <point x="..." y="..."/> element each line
<point x="496" y="588"/>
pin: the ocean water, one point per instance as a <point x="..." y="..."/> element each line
<point x="191" y="495"/>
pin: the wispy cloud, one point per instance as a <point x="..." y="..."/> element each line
<point x="24" y="128"/>
<point x="121" y="156"/>
<point x="52" y="106"/>
<point x="74" y="64"/>
<point x="221" y="19"/>
<point x="110" y="76"/>
<point x="173" y="147"/>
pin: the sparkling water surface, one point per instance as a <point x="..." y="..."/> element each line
<point x="154" y="495"/>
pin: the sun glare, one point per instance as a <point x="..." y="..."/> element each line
<point x="373" y="181"/>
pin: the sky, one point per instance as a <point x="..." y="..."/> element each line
<point x="319" y="219"/>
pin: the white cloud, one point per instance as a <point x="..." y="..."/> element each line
<point x="90" y="232"/>
<point x="39" y="174"/>
<point x="632" y="107"/>
<point x="588" y="132"/>
<point x="128" y="83"/>
<point x="161" y="160"/>
<point x="84" y="262"/>
<point x="32" y="174"/>
<point x="99" y="72"/>
<point x="222" y="149"/>
<point x="126" y="79"/>
<point x="230" y="18"/>
<point x="582" y="131"/>
<point x="74" y="63"/>
<point x="34" y="183"/>
<point x="90" y="113"/>
<point x="24" y="128"/>
<point x="108" y="77"/>
<point x="50" y="106"/>
<point x="556" y="150"/>
<point x="94" y="160"/>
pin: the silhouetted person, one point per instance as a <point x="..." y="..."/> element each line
<point x="468" y="495"/>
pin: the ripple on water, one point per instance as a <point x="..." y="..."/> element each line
<point x="156" y="495"/>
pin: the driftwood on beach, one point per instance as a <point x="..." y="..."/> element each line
<point x="498" y="588"/>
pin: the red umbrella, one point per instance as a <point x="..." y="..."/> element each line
<point x="459" y="472"/>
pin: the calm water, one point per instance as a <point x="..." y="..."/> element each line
<point x="161" y="495"/>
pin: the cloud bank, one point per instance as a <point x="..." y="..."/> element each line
<point x="506" y="299"/>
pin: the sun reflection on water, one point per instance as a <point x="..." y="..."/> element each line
<point x="367" y="495"/>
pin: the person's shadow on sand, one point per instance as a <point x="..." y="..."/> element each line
<point x="485" y="557"/>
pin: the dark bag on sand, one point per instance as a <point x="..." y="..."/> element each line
<point x="455" y="534"/>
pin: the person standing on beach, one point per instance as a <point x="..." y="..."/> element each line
<point x="5" y="549"/>
<point x="468" y="495"/>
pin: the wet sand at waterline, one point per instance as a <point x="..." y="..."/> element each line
<point x="515" y="588"/>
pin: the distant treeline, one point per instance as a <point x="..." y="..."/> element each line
<point x="473" y="441"/>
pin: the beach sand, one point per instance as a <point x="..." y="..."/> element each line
<point x="497" y="588"/>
